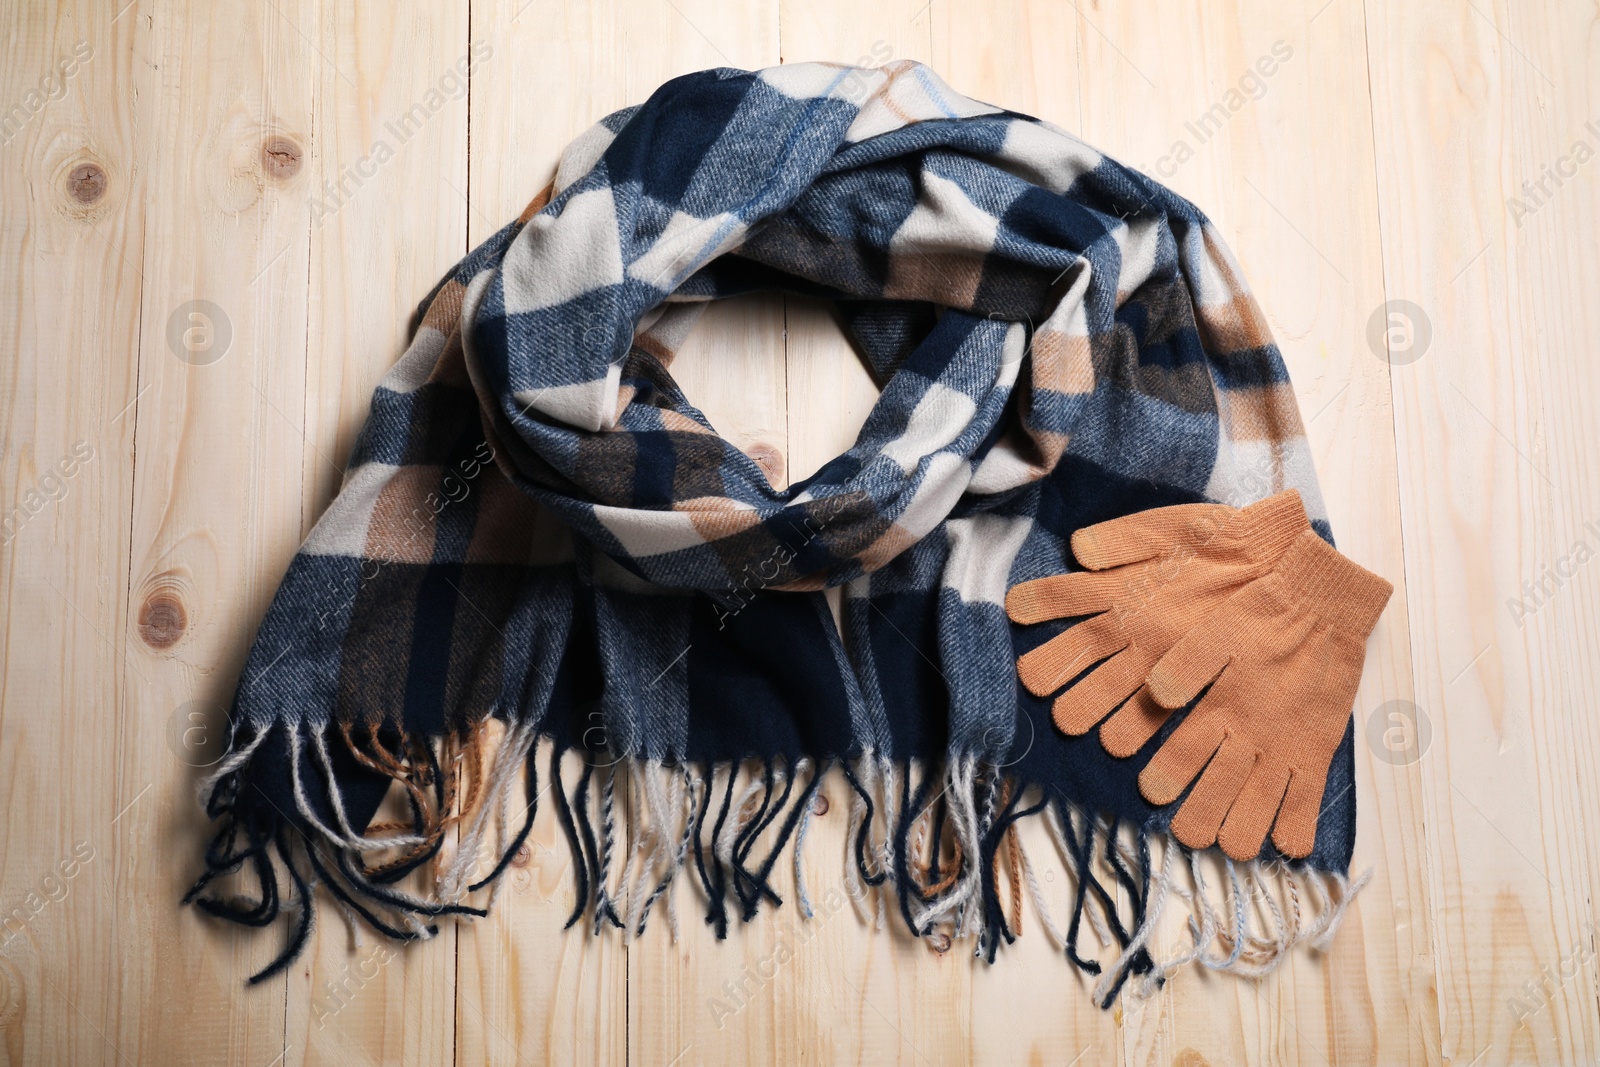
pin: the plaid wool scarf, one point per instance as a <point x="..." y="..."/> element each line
<point x="542" y="549"/>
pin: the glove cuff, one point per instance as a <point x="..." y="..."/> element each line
<point x="1336" y="588"/>
<point x="1268" y="527"/>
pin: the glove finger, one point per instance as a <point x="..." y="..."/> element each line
<point x="1062" y="596"/>
<point x="1244" y="831"/>
<point x="1134" y="724"/>
<point x="1198" y="821"/>
<point x="1108" y="685"/>
<point x="1181" y="757"/>
<point x="1066" y="655"/>
<point x="1296" y="829"/>
<point x="1145" y="534"/>
<point x="1192" y="663"/>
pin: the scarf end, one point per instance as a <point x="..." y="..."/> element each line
<point x="938" y="847"/>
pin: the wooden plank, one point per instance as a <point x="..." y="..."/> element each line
<point x="903" y="1002"/>
<point x="1145" y="97"/>
<point x="391" y="134"/>
<point x="214" y="510"/>
<point x="527" y="990"/>
<point x="580" y="77"/>
<point x="1032" y="1004"/>
<point x="733" y="369"/>
<point x="72" y="240"/>
<point x="1492" y="422"/>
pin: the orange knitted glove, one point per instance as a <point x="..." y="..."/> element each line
<point x="1283" y="658"/>
<point x="1152" y="577"/>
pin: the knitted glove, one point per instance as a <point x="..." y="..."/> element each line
<point x="1283" y="658"/>
<point x="1152" y="577"/>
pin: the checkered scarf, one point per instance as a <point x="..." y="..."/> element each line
<point x="541" y="547"/>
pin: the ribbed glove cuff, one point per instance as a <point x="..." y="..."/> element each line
<point x="1268" y="527"/>
<point x="1345" y="593"/>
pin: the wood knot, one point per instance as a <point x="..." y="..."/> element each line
<point x="522" y="857"/>
<point x="819" y="805"/>
<point x="769" y="459"/>
<point x="281" y="157"/>
<point x="86" y="182"/>
<point x="162" y="619"/>
<point x="939" y="941"/>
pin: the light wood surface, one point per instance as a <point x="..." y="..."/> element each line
<point x="259" y="157"/>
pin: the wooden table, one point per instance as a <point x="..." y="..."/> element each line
<point x="306" y="170"/>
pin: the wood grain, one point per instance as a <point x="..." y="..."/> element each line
<point x="1438" y="153"/>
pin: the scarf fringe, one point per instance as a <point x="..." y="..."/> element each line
<point x="939" y="847"/>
